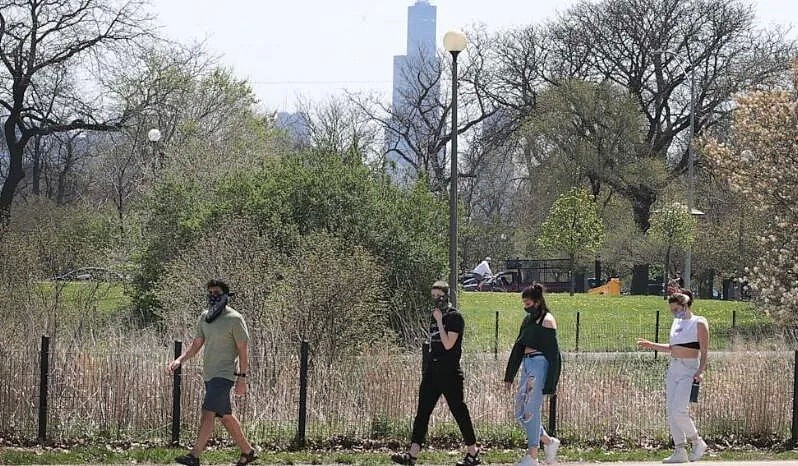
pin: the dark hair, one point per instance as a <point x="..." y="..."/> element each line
<point x="534" y="292"/>
<point x="215" y="282"/>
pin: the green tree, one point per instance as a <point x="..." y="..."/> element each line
<point x="573" y="227"/>
<point x="287" y="199"/>
<point x="672" y="226"/>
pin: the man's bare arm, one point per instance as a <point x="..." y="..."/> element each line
<point x="190" y="352"/>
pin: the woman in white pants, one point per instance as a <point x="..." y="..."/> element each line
<point x="688" y="346"/>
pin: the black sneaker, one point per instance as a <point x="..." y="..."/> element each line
<point x="188" y="460"/>
<point x="470" y="460"/>
<point x="404" y="458"/>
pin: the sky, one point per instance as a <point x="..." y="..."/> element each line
<point x="317" y="48"/>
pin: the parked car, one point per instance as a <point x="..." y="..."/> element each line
<point x="90" y="274"/>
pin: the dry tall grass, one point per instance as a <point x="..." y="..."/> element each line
<point x="126" y="394"/>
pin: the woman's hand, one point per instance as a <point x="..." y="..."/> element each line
<point x="698" y="377"/>
<point x="643" y="344"/>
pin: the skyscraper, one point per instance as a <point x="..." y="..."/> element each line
<point x="421" y="52"/>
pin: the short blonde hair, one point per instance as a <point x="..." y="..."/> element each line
<point x="441" y="285"/>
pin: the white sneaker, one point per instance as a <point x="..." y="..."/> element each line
<point x="699" y="448"/>
<point x="678" y="456"/>
<point x="527" y="461"/>
<point x="551" y="451"/>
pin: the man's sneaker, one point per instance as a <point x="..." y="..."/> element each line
<point x="404" y="458"/>
<point x="470" y="460"/>
<point x="678" y="456"/>
<point x="247" y="458"/>
<point x="527" y="461"/>
<point x="188" y="460"/>
<point x="699" y="448"/>
<point x="551" y="450"/>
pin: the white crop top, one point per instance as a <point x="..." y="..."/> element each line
<point x="684" y="332"/>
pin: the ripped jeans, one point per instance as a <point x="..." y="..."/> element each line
<point x="529" y="398"/>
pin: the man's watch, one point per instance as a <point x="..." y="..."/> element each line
<point x="240" y="374"/>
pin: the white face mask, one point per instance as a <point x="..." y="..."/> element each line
<point x="681" y="313"/>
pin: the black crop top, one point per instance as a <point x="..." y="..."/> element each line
<point x="692" y="345"/>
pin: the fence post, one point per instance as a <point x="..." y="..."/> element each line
<point x="176" y="395"/>
<point x="794" y="439"/>
<point x="578" y="319"/>
<point x="303" y="395"/>
<point x="44" y="373"/>
<point x="496" y="338"/>
<point x="656" y="333"/>
<point x="553" y="415"/>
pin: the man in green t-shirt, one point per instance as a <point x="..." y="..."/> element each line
<point x="223" y="332"/>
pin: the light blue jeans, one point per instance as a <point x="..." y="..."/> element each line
<point x="529" y="398"/>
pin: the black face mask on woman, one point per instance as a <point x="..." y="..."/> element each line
<point x="534" y="311"/>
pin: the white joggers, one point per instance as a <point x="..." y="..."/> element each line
<point x="678" y="386"/>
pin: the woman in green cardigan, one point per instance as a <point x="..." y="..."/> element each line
<point x="536" y="348"/>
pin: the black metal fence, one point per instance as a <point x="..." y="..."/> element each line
<point x="592" y="332"/>
<point x="295" y="400"/>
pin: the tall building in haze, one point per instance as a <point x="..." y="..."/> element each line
<point x="421" y="52"/>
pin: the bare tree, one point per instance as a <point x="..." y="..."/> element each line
<point x="418" y="127"/>
<point x="651" y="47"/>
<point x="41" y="39"/>
<point x="339" y="127"/>
<point x="181" y="91"/>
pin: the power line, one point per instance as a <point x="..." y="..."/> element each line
<point x="319" y="82"/>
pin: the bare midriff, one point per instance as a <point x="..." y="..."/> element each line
<point x="680" y="352"/>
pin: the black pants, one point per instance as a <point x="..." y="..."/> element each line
<point x="435" y="382"/>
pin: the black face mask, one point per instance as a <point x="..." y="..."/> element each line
<point x="442" y="303"/>
<point x="533" y="311"/>
<point x="216" y="304"/>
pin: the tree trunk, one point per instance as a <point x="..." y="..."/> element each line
<point x="640" y="279"/>
<point x="642" y="200"/>
<point x="15" y="169"/>
<point x="666" y="272"/>
<point x="571" y="272"/>
<point x="120" y="208"/>
<point x="37" y="166"/>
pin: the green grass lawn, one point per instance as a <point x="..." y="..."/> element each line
<point x="109" y="455"/>
<point x="606" y="323"/>
<point x="102" y="297"/>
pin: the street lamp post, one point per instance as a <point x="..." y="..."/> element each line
<point x="454" y="42"/>
<point x="688" y="258"/>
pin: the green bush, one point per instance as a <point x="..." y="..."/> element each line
<point x="288" y="199"/>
